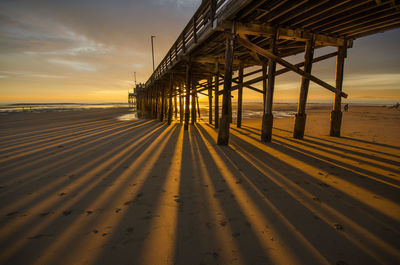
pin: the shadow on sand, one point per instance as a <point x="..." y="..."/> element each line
<point x="142" y="192"/>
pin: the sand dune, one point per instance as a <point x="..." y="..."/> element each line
<point x="83" y="187"/>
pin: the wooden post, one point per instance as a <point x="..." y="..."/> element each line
<point x="162" y="103"/>
<point x="216" y="92"/>
<point x="198" y="106"/>
<point x="209" y="84"/>
<point x="188" y="81"/>
<point x="146" y="103"/>
<point x="240" y="97"/>
<point x="181" y="103"/>
<point x="336" y="114"/>
<point x="170" y="99"/>
<point x="150" y="101"/>
<point x="223" y="132"/>
<point x="268" y="118"/>
<point x="194" y="92"/>
<point x="264" y="81"/>
<point x="166" y="101"/>
<point x="300" y="118"/>
<point x="176" y="104"/>
<point x="156" y="102"/>
<point x="148" y="106"/>
<point x="230" y="109"/>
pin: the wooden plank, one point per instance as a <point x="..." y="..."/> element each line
<point x="288" y="65"/>
<point x="266" y="30"/>
<point x="287" y="10"/>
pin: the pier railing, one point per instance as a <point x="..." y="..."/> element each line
<point x="203" y="19"/>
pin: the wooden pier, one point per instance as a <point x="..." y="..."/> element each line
<point x="226" y="39"/>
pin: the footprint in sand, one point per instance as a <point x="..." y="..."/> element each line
<point x="12" y="213"/>
<point x="44" y="214"/>
<point x="127" y="202"/>
<point x="40" y="236"/>
<point x="67" y="212"/>
<point x="316" y="199"/>
<point x="236" y="234"/>
<point x="338" y="226"/>
<point x="129" y="229"/>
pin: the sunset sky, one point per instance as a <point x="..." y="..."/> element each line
<point x="87" y="51"/>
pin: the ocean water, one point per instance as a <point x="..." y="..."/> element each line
<point x="50" y="107"/>
<point x="130" y="115"/>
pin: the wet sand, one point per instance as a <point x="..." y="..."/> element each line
<point x="82" y="187"/>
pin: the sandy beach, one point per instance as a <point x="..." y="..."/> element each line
<point x="82" y="187"/>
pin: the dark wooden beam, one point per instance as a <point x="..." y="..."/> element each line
<point x="269" y="55"/>
<point x="193" y="104"/>
<point x="282" y="71"/>
<point x="162" y="103"/>
<point x="188" y="84"/>
<point x="175" y="105"/>
<point x="336" y="114"/>
<point x="223" y="132"/>
<point x="216" y="97"/>
<point x="181" y="106"/>
<point x="267" y="121"/>
<point x="170" y="99"/>
<point x="209" y="84"/>
<point x="300" y="118"/>
<point x="240" y="97"/>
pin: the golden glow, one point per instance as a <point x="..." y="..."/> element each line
<point x="162" y="237"/>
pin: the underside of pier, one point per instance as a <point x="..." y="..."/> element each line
<point x="231" y="45"/>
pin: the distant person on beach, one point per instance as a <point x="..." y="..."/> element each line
<point x="346" y="107"/>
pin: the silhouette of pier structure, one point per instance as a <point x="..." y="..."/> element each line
<point x="230" y="45"/>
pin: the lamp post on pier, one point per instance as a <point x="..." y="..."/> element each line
<point x="152" y="50"/>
